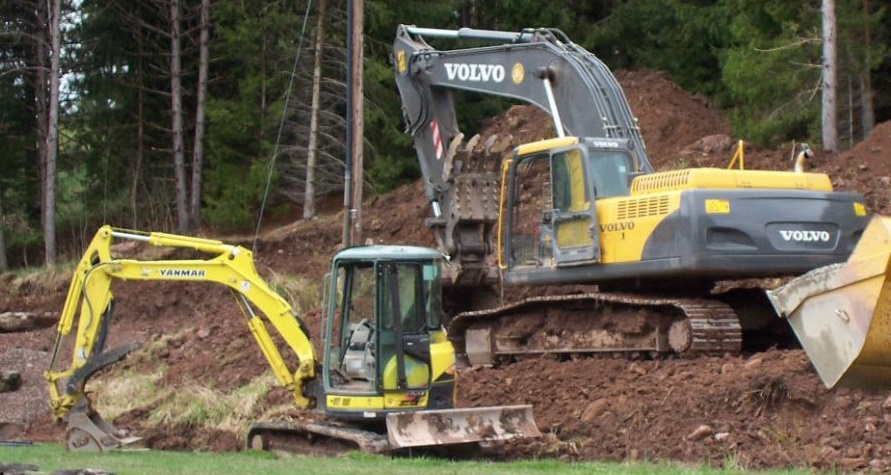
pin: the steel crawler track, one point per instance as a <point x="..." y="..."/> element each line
<point x="596" y="323"/>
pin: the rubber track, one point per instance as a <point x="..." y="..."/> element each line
<point x="715" y="326"/>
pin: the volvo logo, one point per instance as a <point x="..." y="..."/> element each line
<point x="475" y="72"/>
<point x="620" y="226"/>
<point x="605" y="144"/>
<point x="805" y="236"/>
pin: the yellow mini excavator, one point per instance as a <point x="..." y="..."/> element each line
<point x="387" y="378"/>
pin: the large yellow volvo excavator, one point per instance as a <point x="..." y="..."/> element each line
<point x="387" y="377"/>
<point x="586" y="207"/>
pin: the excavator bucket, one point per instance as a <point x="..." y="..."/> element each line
<point x="458" y="426"/>
<point x="86" y="430"/>
<point x="89" y="432"/>
<point x="841" y="313"/>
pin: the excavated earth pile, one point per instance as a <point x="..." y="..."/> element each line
<point x="752" y="411"/>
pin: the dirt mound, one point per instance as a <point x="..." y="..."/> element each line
<point x="766" y="410"/>
<point x="670" y="119"/>
<point x="762" y="410"/>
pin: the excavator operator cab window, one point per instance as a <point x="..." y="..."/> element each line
<point x="432" y="283"/>
<point x="405" y="306"/>
<point x="568" y="178"/>
<point x="404" y="341"/>
<point x="383" y="313"/>
<point x="572" y="199"/>
<point x="610" y="172"/>
<point x="552" y="217"/>
<point x="350" y="359"/>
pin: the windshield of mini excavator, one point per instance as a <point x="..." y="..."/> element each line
<point x="432" y="294"/>
<point x="353" y="299"/>
<point x="410" y="309"/>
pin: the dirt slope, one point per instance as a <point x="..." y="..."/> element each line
<point x="760" y="410"/>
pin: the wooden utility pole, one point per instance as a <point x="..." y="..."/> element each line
<point x="353" y="177"/>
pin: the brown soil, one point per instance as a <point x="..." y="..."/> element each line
<point x="760" y="410"/>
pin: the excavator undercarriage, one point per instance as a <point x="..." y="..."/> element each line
<point x="580" y="324"/>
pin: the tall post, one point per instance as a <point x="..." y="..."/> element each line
<point x="357" y="8"/>
<point x="830" y="66"/>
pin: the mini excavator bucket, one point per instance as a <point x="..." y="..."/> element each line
<point x="458" y="426"/>
<point x="89" y="432"/>
<point x="86" y="430"/>
<point x="841" y="313"/>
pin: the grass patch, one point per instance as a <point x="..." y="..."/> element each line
<point x="301" y="292"/>
<point x="51" y="457"/>
<point x="122" y="391"/>
<point x="201" y="407"/>
<point x="191" y="406"/>
<point x="33" y="280"/>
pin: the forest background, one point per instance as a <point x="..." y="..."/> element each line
<point x="174" y="114"/>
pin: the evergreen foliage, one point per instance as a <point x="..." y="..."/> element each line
<point x="757" y="59"/>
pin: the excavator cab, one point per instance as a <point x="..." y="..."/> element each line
<point x="552" y="186"/>
<point x="384" y="339"/>
<point x="387" y="357"/>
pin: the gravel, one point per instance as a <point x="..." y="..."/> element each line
<point x="23" y="406"/>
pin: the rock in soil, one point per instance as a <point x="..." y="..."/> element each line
<point x="10" y="381"/>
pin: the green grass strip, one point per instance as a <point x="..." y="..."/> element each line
<point x="49" y="457"/>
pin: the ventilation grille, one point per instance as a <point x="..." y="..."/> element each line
<point x="663" y="181"/>
<point x="642" y="207"/>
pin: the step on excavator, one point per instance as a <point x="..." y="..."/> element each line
<point x="386" y="381"/>
<point x="586" y="207"/>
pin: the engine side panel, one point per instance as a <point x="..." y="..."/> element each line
<point x="715" y="234"/>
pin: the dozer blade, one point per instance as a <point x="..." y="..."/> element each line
<point x="458" y="426"/>
<point x="841" y="313"/>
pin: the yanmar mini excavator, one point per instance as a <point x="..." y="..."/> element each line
<point x="387" y="377"/>
<point x="586" y="207"/>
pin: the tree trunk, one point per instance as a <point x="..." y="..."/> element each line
<point x="52" y="137"/>
<point x="867" y="110"/>
<point x="179" y="162"/>
<point x="41" y="38"/>
<point x="136" y="164"/>
<point x="4" y="262"/>
<point x="830" y="66"/>
<point x="198" y="150"/>
<point x="309" y="197"/>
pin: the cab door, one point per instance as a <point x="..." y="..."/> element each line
<point x="573" y="217"/>
<point x="403" y="339"/>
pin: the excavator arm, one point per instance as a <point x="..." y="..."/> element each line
<point x="537" y="66"/>
<point x="88" y="306"/>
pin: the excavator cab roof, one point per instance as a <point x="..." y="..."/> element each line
<point x="382" y="251"/>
